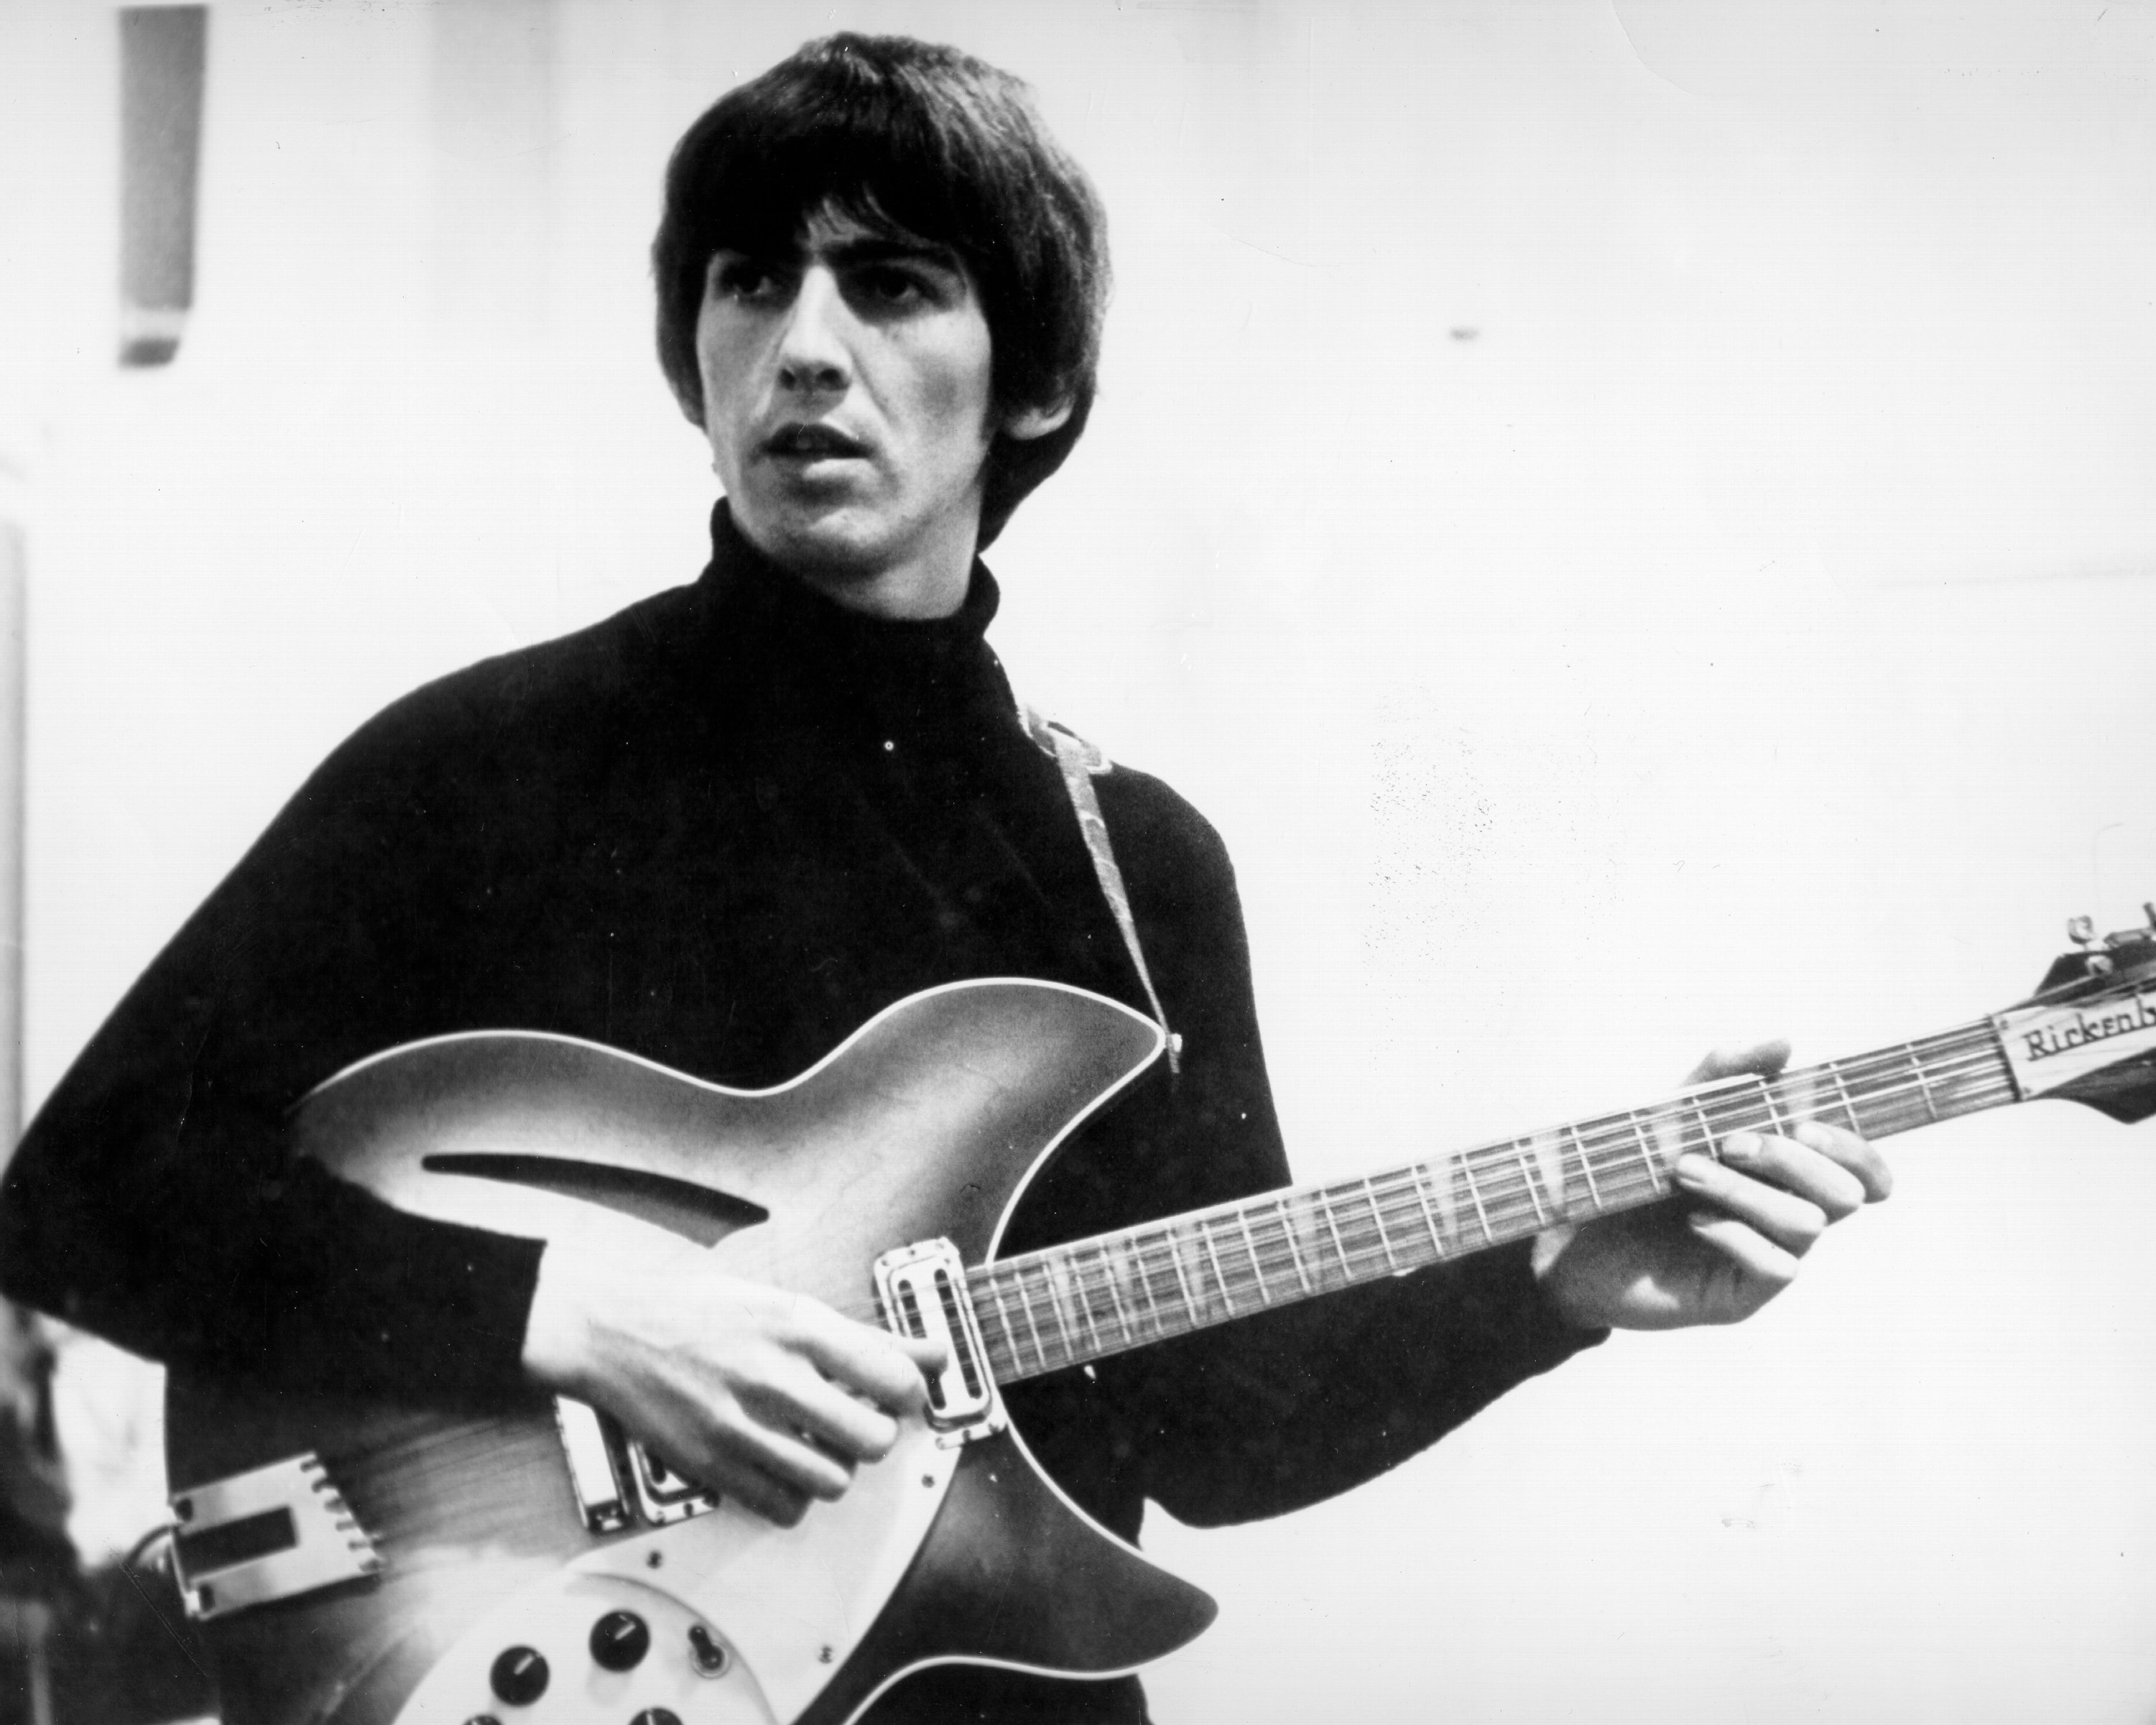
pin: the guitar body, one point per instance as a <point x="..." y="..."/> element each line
<point x="926" y="1123"/>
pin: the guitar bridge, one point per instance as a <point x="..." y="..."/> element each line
<point x="923" y="1290"/>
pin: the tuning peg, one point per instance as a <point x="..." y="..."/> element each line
<point x="2082" y="931"/>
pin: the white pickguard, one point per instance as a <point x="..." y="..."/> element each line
<point x="790" y="1604"/>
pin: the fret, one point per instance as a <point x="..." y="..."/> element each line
<point x="1586" y="1168"/>
<point x="1227" y="1299"/>
<point x="1888" y="1090"/>
<point x="1333" y="1227"/>
<point x="1084" y="1294"/>
<point x="1467" y="1173"/>
<point x="1420" y="1174"/>
<point x="1528" y="1175"/>
<point x="1708" y="1142"/>
<point x="1833" y="1070"/>
<point x="1800" y="1097"/>
<point x="1646" y="1150"/>
<point x="1113" y="1266"/>
<point x="1923" y="1085"/>
<point x="1175" y="1257"/>
<point x="1145" y="1283"/>
<point x="1549" y="1162"/>
<point x="1056" y="1305"/>
<point x="1294" y="1251"/>
<point x="1003" y="1317"/>
<point x="1775" y="1118"/>
<point x="1370" y="1195"/>
<point x="1032" y="1329"/>
<point x="1251" y="1245"/>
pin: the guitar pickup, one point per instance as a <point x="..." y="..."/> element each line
<point x="616" y="1479"/>
<point x="594" y="1475"/>
<point x="268" y="1534"/>
<point x="663" y="1496"/>
<point x="923" y="1290"/>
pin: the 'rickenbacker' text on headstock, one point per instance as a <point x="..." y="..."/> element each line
<point x="2051" y="1046"/>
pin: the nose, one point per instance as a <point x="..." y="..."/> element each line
<point x="813" y="354"/>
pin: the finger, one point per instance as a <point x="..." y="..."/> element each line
<point x="870" y="1362"/>
<point x="802" y="1401"/>
<point x="1794" y="1164"/>
<point x="1764" y="1268"/>
<point x="1858" y="1155"/>
<point x="1760" y="1058"/>
<point x="761" y="1495"/>
<point x="761" y="1435"/>
<point x="928" y="1352"/>
<point x="1794" y="1224"/>
<point x="735" y="1476"/>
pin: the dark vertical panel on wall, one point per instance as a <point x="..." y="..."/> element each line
<point x="161" y="53"/>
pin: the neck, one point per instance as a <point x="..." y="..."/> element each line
<point x="899" y="595"/>
<point x="1065" y="1305"/>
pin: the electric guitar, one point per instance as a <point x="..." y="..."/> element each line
<point x="358" y="1564"/>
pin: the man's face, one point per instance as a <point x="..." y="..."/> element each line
<point x="846" y="397"/>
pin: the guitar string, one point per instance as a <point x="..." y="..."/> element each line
<point x="1112" y="1265"/>
<point x="1964" y="1069"/>
<point x="1126" y="1263"/>
<point x="1124" y="1260"/>
<point x="1501" y="1186"/>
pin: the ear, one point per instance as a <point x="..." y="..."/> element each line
<point x="1027" y="424"/>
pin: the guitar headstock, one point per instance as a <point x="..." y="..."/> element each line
<point x="2088" y="1033"/>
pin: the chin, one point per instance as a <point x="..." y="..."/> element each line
<point x="831" y="542"/>
<point x="831" y="556"/>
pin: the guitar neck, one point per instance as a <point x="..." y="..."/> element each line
<point x="1048" y="1310"/>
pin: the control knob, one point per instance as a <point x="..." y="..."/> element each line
<point x="519" y="1676"/>
<point x="619" y="1642"/>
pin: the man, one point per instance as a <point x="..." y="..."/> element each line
<point x="725" y="828"/>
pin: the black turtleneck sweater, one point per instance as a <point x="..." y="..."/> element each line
<point x="719" y="830"/>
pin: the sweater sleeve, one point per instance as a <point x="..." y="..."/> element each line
<point x="1289" y="1406"/>
<point x="153" y="1199"/>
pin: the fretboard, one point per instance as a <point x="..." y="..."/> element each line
<point x="1062" y="1307"/>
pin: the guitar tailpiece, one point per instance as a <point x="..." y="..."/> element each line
<point x="273" y="1532"/>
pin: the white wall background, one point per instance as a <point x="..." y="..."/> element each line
<point x="1638" y="521"/>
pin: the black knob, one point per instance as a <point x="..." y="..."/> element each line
<point x="655" y="1715"/>
<point x="519" y="1676"/>
<point x="619" y="1642"/>
<point x="482" y="1719"/>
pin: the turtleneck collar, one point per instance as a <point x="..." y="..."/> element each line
<point x="800" y="656"/>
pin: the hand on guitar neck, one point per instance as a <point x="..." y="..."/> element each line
<point x="1754" y="1208"/>
<point x="768" y="1397"/>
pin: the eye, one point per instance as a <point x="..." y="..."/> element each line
<point x="744" y="279"/>
<point x="894" y="284"/>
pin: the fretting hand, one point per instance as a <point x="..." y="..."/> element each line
<point x="1731" y="1238"/>
<point x="769" y="1397"/>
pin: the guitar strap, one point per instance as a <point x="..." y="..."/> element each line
<point x="1081" y="762"/>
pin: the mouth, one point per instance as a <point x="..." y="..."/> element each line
<point x="801" y="442"/>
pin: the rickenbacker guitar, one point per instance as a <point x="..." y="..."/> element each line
<point x="359" y="1565"/>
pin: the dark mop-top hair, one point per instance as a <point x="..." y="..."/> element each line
<point x="923" y="142"/>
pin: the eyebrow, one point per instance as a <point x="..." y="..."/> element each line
<point x="868" y="248"/>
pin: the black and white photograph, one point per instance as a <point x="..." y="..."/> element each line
<point x="1235" y="862"/>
